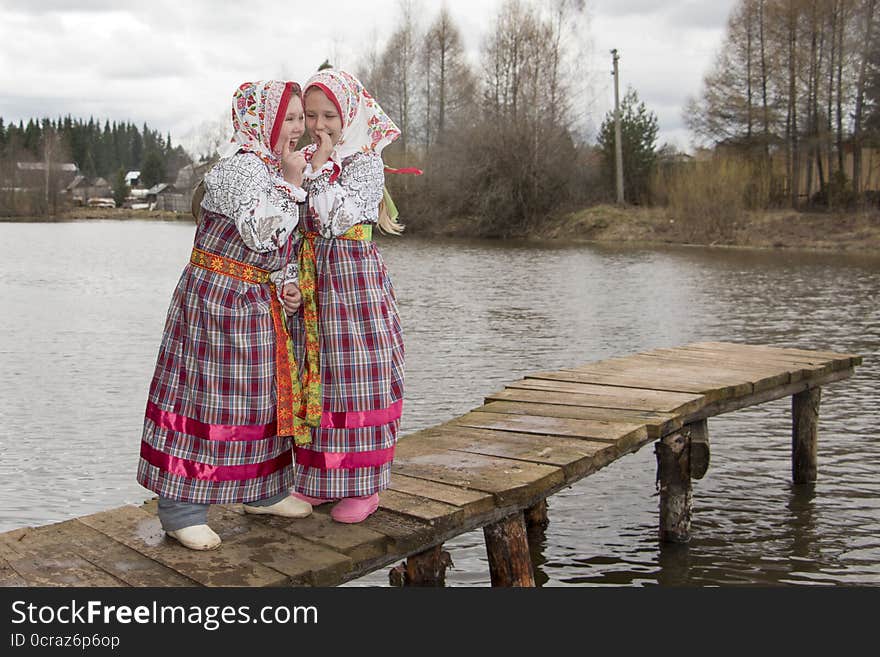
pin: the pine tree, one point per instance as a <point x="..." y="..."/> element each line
<point x="152" y="168"/>
<point x="638" y="127"/>
<point x="120" y="188"/>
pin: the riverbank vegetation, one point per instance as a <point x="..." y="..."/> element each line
<point x="787" y="122"/>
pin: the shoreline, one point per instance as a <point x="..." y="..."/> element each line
<point x="99" y="214"/>
<point x="856" y="232"/>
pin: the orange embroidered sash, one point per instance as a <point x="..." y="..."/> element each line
<point x="290" y="411"/>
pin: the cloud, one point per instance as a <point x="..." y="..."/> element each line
<point x="174" y="63"/>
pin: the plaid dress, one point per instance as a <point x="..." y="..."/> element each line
<point x="362" y="370"/>
<point x="210" y="428"/>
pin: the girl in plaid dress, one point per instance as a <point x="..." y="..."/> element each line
<point x="218" y="422"/>
<point x="348" y="336"/>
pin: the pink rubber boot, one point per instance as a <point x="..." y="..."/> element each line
<point x="314" y="501"/>
<point x="355" y="509"/>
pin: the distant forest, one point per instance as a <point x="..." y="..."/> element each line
<point x="98" y="150"/>
<point x="36" y="158"/>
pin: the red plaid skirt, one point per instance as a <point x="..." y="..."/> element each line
<point x="210" y="427"/>
<point x="362" y="373"/>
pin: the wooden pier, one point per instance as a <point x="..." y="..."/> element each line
<point x="492" y="468"/>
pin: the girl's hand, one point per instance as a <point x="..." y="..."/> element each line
<point x="291" y="298"/>
<point x="293" y="164"/>
<point x="325" y="147"/>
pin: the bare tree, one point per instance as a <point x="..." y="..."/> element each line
<point x="866" y="11"/>
<point x="449" y="83"/>
<point x="396" y="76"/>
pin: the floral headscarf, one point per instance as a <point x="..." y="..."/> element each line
<point x="257" y="116"/>
<point x="365" y="125"/>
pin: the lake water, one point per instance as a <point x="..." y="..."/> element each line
<point x="83" y="306"/>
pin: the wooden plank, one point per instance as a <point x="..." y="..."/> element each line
<point x="641" y="380"/>
<point x="603" y="396"/>
<point x="8" y="576"/>
<point x="471" y="502"/>
<point x="797" y="368"/>
<point x="121" y="562"/>
<point x="758" y="354"/>
<point x="229" y="565"/>
<point x="841" y="360"/>
<point x="761" y="375"/>
<point x="439" y="515"/>
<point x="257" y="537"/>
<point x="62" y="568"/>
<point x="553" y="426"/>
<point x="355" y="541"/>
<point x="658" y="424"/>
<point x="650" y="369"/>
<point x="10" y="542"/>
<point x="406" y="534"/>
<point x="511" y="482"/>
<point x="576" y="457"/>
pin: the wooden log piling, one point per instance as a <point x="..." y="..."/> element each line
<point x="425" y="569"/>
<point x="674" y="486"/>
<point x="507" y="547"/>
<point x="805" y="435"/>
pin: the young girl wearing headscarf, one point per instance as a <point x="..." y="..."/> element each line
<point x="222" y="403"/>
<point x="348" y="337"/>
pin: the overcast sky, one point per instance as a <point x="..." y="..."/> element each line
<point x="175" y="63"/>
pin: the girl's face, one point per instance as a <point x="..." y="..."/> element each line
<point x="322" y="116"/>
<point x="293" y="125"/>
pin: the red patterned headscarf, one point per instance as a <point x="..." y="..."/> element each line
<point x="258" y="110"/>
<point x="365" y="125"/>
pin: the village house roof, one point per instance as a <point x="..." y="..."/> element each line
<point x="131" y="175"/>
<point x="76" y="182"/>
<point x="41" y="166"/>
<point x="159" y="188"/>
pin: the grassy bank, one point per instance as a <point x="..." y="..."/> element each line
<point x="857" y="232"/>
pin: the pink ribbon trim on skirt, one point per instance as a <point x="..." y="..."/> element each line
<point x="329" y="420"/>
<point x="191" y="427"/>
<point x="358" y="419"/>
<point x="206" y="472"/>
<point x="343" y="460"/>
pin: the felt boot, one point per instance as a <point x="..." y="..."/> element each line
<point x="289" y="507"/>
<point x="196" y="537"/>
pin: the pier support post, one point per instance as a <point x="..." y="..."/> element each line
<point x="507" y="547"/>
<point x="804" y="435"/>
<point x="536" y="519"/>
<point x="674" y="486"/>
<point x="698" y="432"/>
<point x="427" y="568"/>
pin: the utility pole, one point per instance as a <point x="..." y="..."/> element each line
<point x="618" y="140"/>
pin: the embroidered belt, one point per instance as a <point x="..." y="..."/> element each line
<point x="293" y="415"/>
